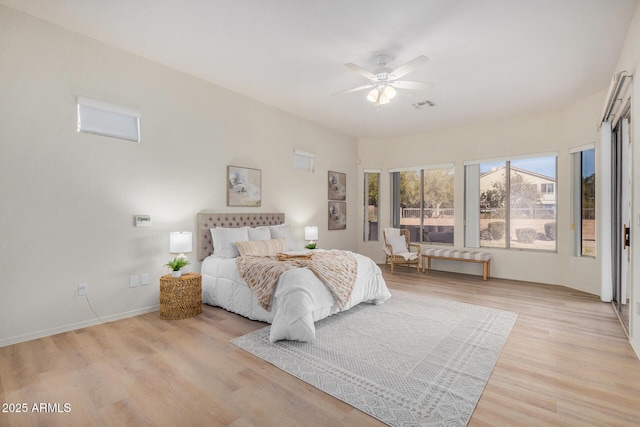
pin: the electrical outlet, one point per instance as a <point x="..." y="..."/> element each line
<point x="82" y="289"/>
<point x="144" y="279"/>
<point x="133" y="281"/>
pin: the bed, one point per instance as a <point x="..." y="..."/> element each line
<point x="300" y="298"/>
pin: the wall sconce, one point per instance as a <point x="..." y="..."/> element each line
<point x="180" y="242"/>
<point x="311" y="234"/>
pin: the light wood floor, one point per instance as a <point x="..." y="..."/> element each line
<point x="566" y="362"/>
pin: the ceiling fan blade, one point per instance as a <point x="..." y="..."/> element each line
<point x="358" y="69"/>
<point x="405" y="84"/>
<point x="355" y="89"/>
<point x="405" y="69"/>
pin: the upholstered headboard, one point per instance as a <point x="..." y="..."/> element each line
<point x="206" y="221"/>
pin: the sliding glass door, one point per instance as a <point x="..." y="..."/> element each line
<point x="621" y="217"/>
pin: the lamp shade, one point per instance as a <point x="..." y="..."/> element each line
<point x="373" y="95"/>
<point x="180" y="242"/>
<point x="389" y="92"/>
<point x="311" y="233"/>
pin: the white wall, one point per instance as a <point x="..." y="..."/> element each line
<point x="68" y="199"/>
<point x="529" y="134"/>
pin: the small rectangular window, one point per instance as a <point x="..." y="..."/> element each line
<point x="371" y="189"/>
<point x="584" y="201"/>
<point x="101" y="118"/>
<point x="303" y="161"/>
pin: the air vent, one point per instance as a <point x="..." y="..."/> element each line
<point x="419" y="105"/>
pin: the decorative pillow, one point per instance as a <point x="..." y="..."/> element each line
<point x="398" y="244"/>
<point x="269" y="247"/>
<point x="259" y="233"/>
<point x="224" y="240"/>
<point x="284" y="231"/>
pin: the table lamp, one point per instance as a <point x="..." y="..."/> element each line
<point x="311" y="234"/>
<point x="180" y="242"/>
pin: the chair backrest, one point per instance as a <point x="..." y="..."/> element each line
<point x="389" y="232"/>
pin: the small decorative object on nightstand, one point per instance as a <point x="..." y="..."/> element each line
<point x="180" y="297"/>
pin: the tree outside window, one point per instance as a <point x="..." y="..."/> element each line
<point x="423" y="203"/>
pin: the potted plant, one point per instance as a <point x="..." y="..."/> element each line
<point x="176" y="264"/>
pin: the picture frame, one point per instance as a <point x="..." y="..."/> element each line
<point x="244" y="186"/>
<point x="337" y="215"/>
<point x="337" y="185"/>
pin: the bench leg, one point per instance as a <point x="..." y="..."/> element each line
<point x="489" y="268"/>
<point x="485" y="269"/>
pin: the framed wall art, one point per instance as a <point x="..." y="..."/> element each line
<point x="337" y="186"/>
<point x="337" y="215"/>
<point x="244" y="186"/>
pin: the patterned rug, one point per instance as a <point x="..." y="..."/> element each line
<point x="412" y="361"/>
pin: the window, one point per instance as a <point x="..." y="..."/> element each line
<point x="517" y="203"/>
<point x="422" y="201"/>
<point x="101" y="118"/>
<point x="546" y="188"/>
<point x="371" y="186"/>
<point x="303" y="161"/>
<point x="584" y="201"/>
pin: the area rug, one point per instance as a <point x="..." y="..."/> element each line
<point x="412" y="361"/>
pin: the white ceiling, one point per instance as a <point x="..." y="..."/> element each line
<point x="488" y="58"/>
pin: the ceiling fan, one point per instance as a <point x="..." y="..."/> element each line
<point x="384" y="81"/>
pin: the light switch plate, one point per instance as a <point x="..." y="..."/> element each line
<point x="133" y="281"/>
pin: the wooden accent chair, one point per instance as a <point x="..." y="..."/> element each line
<point x="398" y="248"/>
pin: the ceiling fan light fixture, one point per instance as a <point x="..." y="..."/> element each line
<point x="389" y="92"/>
<point x="373" y="95"/>
<point x="384" y="99"/>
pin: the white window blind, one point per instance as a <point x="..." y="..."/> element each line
<point x="303" y="161"/>
<point x="102" y="118"/>
<point x="471" y="206"/>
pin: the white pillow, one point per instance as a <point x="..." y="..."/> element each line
<point x="284" y="231"/>
<point x="224" y="240"/>
<point x="259" y="233"/>
<point x="270" y="247"/>
<point x="398" y="244"/>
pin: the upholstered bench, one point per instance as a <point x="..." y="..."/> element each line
<point x="458" y="255"/>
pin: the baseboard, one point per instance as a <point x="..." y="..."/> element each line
<point x="73" y="326"/>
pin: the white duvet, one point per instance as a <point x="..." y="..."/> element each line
<point x="300" y="298"/>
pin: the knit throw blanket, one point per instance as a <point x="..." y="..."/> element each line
<point x="338" y="270"/>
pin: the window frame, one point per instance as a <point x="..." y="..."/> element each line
<point x="577" y="159"/>
<point x="366" y="227"/>
<point x="472" y="201"/>
<point x="396" y="215"/>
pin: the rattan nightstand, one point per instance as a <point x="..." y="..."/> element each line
<point x="180" y="297"/>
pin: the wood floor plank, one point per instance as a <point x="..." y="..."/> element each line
<point x="567" y="362"/>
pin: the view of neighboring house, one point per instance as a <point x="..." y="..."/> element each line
<point x="545" y="186"/>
